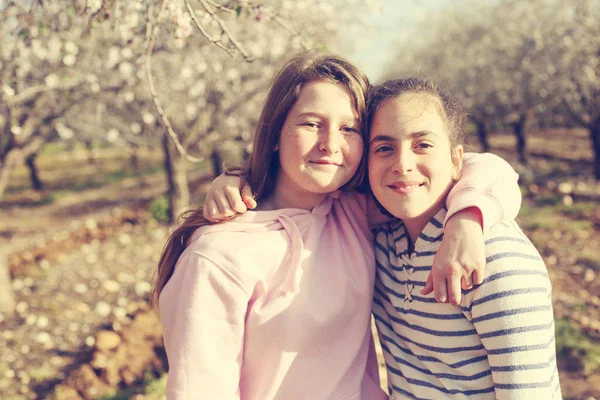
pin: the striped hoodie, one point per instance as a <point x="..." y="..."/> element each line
<point x="498" y="343"/>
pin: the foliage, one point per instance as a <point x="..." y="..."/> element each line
<point x="159" y="208"/>
<point x="514" y="62"/>
<point x="579" y="351"/>
<point x="81" y="71"/>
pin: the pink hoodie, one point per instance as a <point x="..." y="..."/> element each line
<point x="277" y="304"/>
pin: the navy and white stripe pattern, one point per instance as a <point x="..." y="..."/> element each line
<point x="497" y="344"/>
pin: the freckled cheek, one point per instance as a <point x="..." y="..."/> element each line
<point x="376" y="170"/>
<point x="354" y="147"/>
<point x="300" y="143"/>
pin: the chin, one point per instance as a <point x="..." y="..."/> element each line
<point x="403" y="213"/>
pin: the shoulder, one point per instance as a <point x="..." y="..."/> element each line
<point x="513" y="264"/>
<point x="244" y="256"/>
<point x="507" y="240"/>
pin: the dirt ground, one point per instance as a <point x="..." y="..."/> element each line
<point x="82" y="253"/>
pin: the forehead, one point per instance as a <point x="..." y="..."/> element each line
<point x="323" y="96"/>
<point x="407" y="114"/>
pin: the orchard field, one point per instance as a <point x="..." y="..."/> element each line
<point x="82" y="251"/>
<point x="116" y="115"/>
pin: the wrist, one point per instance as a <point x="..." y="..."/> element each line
<point x="470" y="216"/>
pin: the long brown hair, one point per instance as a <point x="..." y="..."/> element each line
<point x="263" y="166"/>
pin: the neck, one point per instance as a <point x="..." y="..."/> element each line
<point x="286" y="197"/>
<point x="414" y="226"/>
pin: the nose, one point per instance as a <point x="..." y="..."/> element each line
<point x="404" y="162"/>
<point x="330" y="141"/>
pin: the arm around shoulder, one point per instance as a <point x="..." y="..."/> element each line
<point x="202" y="311"/>
<point x="490" y="184"/>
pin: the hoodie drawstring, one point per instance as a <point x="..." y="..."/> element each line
<point x="291" y="283"/>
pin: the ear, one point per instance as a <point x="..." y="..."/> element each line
<point x="457" y="160"/>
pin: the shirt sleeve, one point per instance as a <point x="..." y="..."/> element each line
<point x="512" y="314"/>
<point x="202" y="311"/>
<point x="488" y="183"/>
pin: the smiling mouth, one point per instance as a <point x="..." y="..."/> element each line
<point x="405" y="188"/>
<point x="330" y="163"/>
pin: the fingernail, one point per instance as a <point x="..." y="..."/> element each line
<point x="442" y="299"/>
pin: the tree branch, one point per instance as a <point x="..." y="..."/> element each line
<point x="217" y="41"/>
<point x="154" y="94"/>
<point x="30" y="92"/>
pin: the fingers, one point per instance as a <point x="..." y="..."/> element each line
<point x="210" y="211"/>
<point x="466" y="283"/>
<point x="454" y="289"/>
<point x="439" y="289"/>
<point x="428" y="285"/>
<point x="235" y="200"/>
<point x="224" y="207"/>
<point x="248" y="197"/>
<point x="216" y="209"/>
<point x="478" y="275"/>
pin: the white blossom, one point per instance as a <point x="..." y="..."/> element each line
<point x="135" y="127"/>
<point x="52" y="80"/>
<point x="69" y="59"/>
<point x="112" y="135"/>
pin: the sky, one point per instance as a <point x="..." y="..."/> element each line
<point x="394" y="22"/>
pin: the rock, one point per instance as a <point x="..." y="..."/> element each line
<point x="141" y="288"/>
<point x="42" y="337"/>
<point x="107" y="340"/>
<point x="63" y="392"/>
<point x="80" y="288"/>
<point x="565" y="187"/>
<point x="590" y="275"/>
<point x="91" y="224"/>
<point x="87" y="383"/>
<point x="111" y="286"/>
<point x="42" y="322"/>
<point x="103" y="309"/>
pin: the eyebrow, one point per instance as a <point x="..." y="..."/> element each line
<point x="414" y="135"/>
<point x="317" y="115"/>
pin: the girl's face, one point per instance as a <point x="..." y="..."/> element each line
<point x="410" y="161"/>
<point x="320" y="147"/>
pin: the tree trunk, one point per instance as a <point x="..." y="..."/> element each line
<point x="519" y="127"/>
<point x="217" y="161"/>
<point x="7" y="298"/>
<point x="483" y="135"/>
<point x="91" y="158"/>
<point x="595" y="136"/>
<point x="175" y="169"/>
<point x="6" y="165"/>
<point x="134" y="160"/>
<point x="34" y="176"/>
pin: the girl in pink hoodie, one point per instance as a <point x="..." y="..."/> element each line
<point x="276" y="303"/>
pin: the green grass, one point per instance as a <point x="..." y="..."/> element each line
<point x="157" y="387"/>
<point x="52" y="148"/>
<point x="575" y="348"/>
<point x="159" y="208"/>
<point x="552" y="217"/>
<point x="579" y="210"/>
<point x="152" y="386"/>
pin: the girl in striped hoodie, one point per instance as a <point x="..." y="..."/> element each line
<point x="498" y="342"/>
